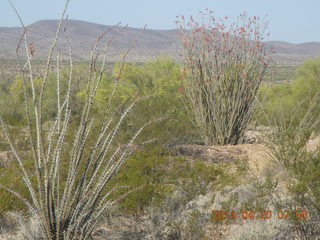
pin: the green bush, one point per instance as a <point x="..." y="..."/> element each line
<point x="159" y="79"/>
<point x="307" y="79"/>
<point x="306" y="190"/>
<point x="160" y="174"/>
<point x="290" y="101"/>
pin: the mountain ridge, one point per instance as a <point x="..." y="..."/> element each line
<point x="82" y="35"/>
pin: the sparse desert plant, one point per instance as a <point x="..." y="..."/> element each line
<point x="71" y="165"/>
<point x="292" y="129"/>
<point x="223" y="68"/>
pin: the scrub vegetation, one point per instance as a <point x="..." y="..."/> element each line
<point x="159" y="144"/>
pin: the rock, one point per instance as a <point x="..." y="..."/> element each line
<point x="210" y="153"/>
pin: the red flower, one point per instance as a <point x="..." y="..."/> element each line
<point x="31" y="49"/>
<point x="242" y="29"/>
<point x="181" y="89"/>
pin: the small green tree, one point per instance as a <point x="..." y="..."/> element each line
<point x="306" y="85"/>
<point x="160" y="78"/>
<point x="307" y="79"/>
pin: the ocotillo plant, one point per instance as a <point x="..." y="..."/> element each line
<point x="68" y="179"/>
<point x="223" y="66"/>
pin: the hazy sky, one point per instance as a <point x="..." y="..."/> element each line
<point x="294" y="21"/>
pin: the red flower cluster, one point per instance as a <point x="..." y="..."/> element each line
<point x="31" y="49"/>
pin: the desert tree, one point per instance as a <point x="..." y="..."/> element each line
<point x="71" y="165"/>
<point x="223" y="66"/>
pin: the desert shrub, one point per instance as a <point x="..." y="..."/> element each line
<point x="293" y="126"/>
<point x="142" y="169"/>
<point x="274" y="98"/>
<point x="161" y="174"/>
<point x="307" y="79"/>
<point x="161" y="79"/>
<point x="290" y="134"/>
<point x="223" y="67"/>
<point x="303" y="186"/>
<point x="287" y="143"/>
<point x="157" y="178"/>
<point x="11" y="178"/>
<point x="257" y="196"/>
<point x="290" y="101"/>
<point x="13" y="92"/>
<point x="10" y="112"/>
<point x="305" y="193"/>
<point x="263" y="195"/>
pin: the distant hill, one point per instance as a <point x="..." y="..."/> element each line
<point x="82" y="35"/>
